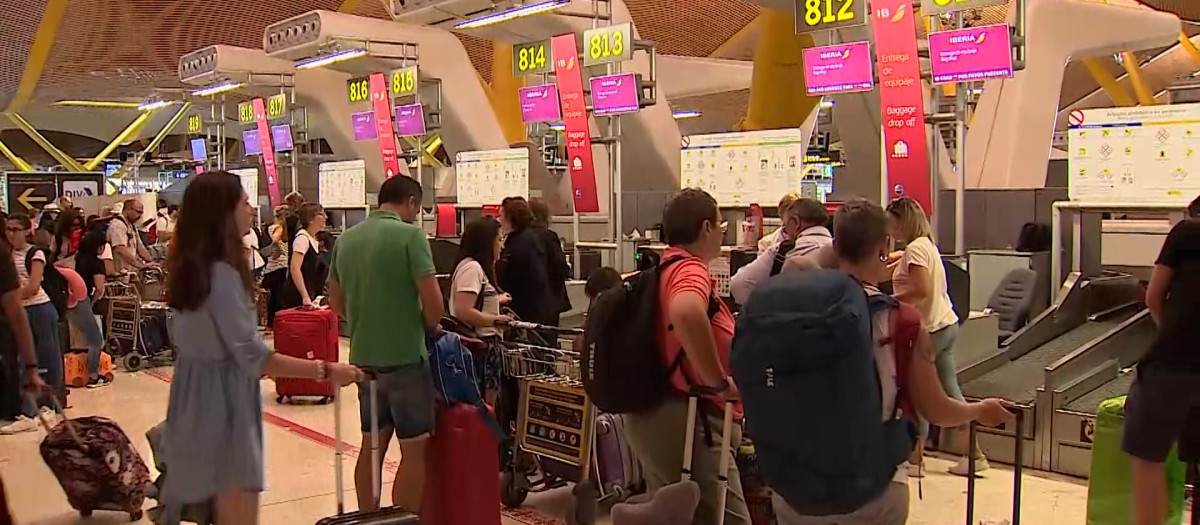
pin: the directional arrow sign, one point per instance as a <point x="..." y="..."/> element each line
<point x="28" y="193"/>
<point x="31" y="201"/>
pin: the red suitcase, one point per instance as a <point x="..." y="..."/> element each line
<point x="306" y="334"/>
<point x="462" y="481"/>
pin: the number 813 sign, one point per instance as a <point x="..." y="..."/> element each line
<point x="823" y="15"/>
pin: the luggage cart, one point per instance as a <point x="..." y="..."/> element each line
<point x="555" y="424"/>
<point x="126" y="313"/>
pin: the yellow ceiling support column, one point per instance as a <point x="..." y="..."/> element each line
<point x="1189" y="46"/>
<point x="1108" y="83"/>
<point x="348" y="6"/>
<point x="132" y="129"/>
<point x="18" y="162"/>
<point x="1134" y="69"/>
<point x="777" y="87"/>
<point x="166" y="130"/>
<point x="62" y="158"/>
<point x="39" y="51"/>
<point x="504" y="98"/>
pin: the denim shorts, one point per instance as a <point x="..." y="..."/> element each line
<point x="405" y="397"/>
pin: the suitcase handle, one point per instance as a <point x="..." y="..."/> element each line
<point x="57" y="408"/>
<point x="1018" y="412"/>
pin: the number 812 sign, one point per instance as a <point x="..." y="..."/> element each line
<point x="823" y="15"/>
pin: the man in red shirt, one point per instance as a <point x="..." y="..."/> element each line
<point x="697" y="329"/>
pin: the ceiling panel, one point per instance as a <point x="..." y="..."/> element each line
<point x="690" y="28"/>
<point x="719" y="112"/>
<point x="18" y="24"/>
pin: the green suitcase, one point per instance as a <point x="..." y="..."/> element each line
<point x="1110" y="492"/>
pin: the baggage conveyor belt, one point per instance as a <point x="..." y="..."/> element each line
<point x="1018" y="380"/>
<point x="1088" y="403"/>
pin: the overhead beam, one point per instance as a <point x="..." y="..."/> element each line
<point x="132" y="129"/>
<point x="17" y="161"/>
<point x="348" y="6"/>
<point x="1132" y="68"/>
<point x="1108" y="83"/>
<point x="65" y="160"/>
<point x="43" y="40"/>
<point x="1189" y="46"/>
<point x="166" y="130"/>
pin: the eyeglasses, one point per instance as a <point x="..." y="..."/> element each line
<point x="16" y="229"/>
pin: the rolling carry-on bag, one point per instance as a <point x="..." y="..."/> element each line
<point x="382" y="516"/>
<point x="461" y="481"/>
<point x="1110" y="491"/>
<point x="620" y="471"/>
<point x="97" y="465"/>
<point x="1019" y="454"/>
<point x="306" y="334"/>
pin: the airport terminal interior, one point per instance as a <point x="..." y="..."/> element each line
<point x="1047" y="144"/>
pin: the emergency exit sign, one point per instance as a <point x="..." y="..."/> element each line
<point x="937" y="7"/>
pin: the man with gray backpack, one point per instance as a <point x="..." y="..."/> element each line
<point x="833" y="375"/>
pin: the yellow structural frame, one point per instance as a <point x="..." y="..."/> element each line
<point x="777" y="83"/>
<point x="1189" y="46"/>
<point x="18" y="162"/>
<point x="58" y="155"/>
<point x="1108" y="82"/>
<point x="504" y="94"/>
<point x="132" y="129"/>
<point x="1144" y="96"/>
<point x="428" y="148"/>
<point x="39" y="51"/>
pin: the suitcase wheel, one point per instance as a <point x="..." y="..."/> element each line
<point x="513" y="489"/>
<point x="132" y="362"/>
<point x="326" y="400"/>
<point x="280" y="399"/>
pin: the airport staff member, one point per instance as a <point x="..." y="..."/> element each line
<point x="774" y="237"/>
<point x="804" y="221"/>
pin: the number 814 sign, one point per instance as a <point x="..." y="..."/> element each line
<point x="823" y="15"/>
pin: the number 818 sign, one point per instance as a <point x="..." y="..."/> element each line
<point x="823" y="15"/>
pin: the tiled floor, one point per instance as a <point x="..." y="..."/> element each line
<point x="300" y="486"/>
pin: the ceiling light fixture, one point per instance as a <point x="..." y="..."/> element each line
<point x="157" y="104"/>
<point x="217" y="89"/>
<point x="96" y="104"/>
<point x="685" y="114"/>
<point x="510" y="14"/>
<point x="332" y="58"/>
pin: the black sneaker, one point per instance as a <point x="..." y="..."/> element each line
<point x="100" y="382"/>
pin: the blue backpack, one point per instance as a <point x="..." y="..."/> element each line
<point x="454" y="375"/>
<point x="804" y="361"/>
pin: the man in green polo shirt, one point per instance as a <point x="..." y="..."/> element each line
<point x="382" y="282"/>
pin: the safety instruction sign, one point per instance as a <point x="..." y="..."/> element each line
<point x="1145" y="155"/>
<point x="487" y="177"/>
<point x="342" y="184"/>
<point x="739" y="169"/>
<point x="556" y="421"/>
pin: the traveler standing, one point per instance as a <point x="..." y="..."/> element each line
<point x="556" y="260"/>
<point x="860" y="483"/>
<point x="697" y="331"/>
<point x="213" y="437"/>
<point x="67" y="236"/>
<point x="383" y="283"/>
<point x="522" y="270"/>
<point x="90" y="269"/>
<point x="126" y="242"/>
<point x="920" y="280"/>
<point x="474" y="299"/>
<point x="777" y="236"/>
<point x="30" y="263"/>
<point x="803" y="233"/>
<point x="1164" y="391"/>
<point x="276" y="270"/>
<point x="306" y="274"/>
<point x="16" y="326"/>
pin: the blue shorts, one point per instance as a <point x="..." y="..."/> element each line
<point x="406" y="400"/>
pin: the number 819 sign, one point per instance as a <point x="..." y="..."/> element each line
<point x="823" y="15"/>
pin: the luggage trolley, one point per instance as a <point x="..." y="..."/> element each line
<point x="556" y="423"/>
<point x="127" y="313"/>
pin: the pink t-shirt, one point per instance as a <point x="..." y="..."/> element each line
<point x="690" y="276"/>
<point x="76" y="289"/>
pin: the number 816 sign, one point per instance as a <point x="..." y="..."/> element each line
<point x="823" y="15"/>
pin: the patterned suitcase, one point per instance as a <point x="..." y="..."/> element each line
<point x="97" y="466"/>
<point x="306" y="334"/>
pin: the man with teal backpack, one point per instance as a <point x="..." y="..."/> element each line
<point x="833" y="374"/>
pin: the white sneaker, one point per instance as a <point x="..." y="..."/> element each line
<point x="49" y="415"/>
<point x="960" y="468"/>
<point x="22" y="424"/>
<point x="915" y="471"/>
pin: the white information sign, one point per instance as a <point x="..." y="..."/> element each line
<point x="739" y="169"/>
<point x="342" y="184"/>
<point x="249" y="178"/>
<point x="1144" y="155"/>
<point x="487" y="177"/>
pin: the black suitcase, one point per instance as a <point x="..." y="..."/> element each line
<point x="384" y="516"/>
<point x="1017" y="467"/>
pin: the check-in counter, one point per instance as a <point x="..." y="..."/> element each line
<point x="977" y="338"/>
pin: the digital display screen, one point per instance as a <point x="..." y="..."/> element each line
<point x="539" y="103"/>
<point x="976" y="53"/>
<point x="251" y="143"/>
<point x="364" y="126"/>
<point x="281" y="136"/>
<point x="410" y="120"/>
<point x="841" y="68"/>
<point x="614" y="94"/>
<point x="199" y="150"/>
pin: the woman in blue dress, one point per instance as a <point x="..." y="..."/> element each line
<point x="213" y="441"/>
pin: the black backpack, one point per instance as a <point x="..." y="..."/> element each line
<point x="53" y="282"/>
<point x="622" y="368"/>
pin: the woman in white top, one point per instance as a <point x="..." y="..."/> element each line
<point x="474" y="299"/>
<point x="306" y="276"/>
<point x="43" y="320"/>
<point x="920" y="280"/>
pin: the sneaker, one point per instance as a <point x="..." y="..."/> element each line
<point x="960" y="468"/>
<point x="99" y="382"/>
<point x="22" y="424"/>
<point x="915" y="470"/>
<point x="49" y="415"/>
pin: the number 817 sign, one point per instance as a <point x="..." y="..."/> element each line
<point x="823" y="15"/>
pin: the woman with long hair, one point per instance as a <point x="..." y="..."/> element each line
<point x="474" y="299"/>
<point x="521" y="270"/>
<point x="68" y="235"/>
<point x="306" y="274"/>
<point x="213" y="437"/>
<point x="276" y="271"/>
<point x="920" y="280"/>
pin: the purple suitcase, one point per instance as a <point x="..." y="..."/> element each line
<point x="620" y="471"/>
<point x="97" y="466"/>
